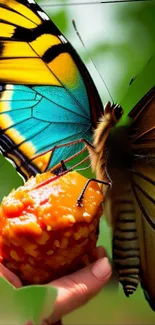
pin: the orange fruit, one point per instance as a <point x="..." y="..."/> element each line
<point x="44" y="234"/>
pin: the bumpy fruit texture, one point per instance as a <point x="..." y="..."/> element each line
<point x="43" y="233"/>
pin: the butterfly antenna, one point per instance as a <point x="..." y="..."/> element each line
<point x="89" y="3"/>
<point x="81" y="40"/>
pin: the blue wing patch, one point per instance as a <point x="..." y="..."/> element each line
<point x="37" y="119"/>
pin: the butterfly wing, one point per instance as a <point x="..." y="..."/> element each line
<point x="47" y="97"/>
<point x="143" y="184"/>
<point x="131" y="203"/>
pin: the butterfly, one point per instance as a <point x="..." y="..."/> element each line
<point x="49" y="107"/>
<point x="44" y="90"/>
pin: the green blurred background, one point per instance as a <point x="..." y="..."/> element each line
<point x="120" y="39"/>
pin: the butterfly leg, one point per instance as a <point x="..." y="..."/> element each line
<point x="80" y="198"/>
<point x="88" y="146"/>
<point x="59" y="168"/>
<point x="104" y="179"/>
<point x="86" y="142"/>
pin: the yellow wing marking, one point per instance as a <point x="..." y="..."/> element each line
<point x="43" y="161"/>
<point x="26" y="71"/>
<point x="6" y="30"/>
<point x="64" y="67"/>
<point x="24" y="62"/>
<point x="5" y="97"/>
<point x="16" y="49"/>
<point x="43" y="42"/>
<point x="27" y="148"/>
<point x="5" y="121"/>
<point x="15" y="136"/>
<point x="21" y="9"/>
<point x="18" y="163"/>
<point x="14" y="18"/>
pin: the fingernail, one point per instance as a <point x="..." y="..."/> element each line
<point x="102" y="269"/>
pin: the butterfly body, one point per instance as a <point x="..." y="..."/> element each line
<point x="126" y="253"/>
<point x="98" y="151"/>
<point x="49" y="107"/>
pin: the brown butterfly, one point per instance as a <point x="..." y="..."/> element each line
<point x="127" y="157"/>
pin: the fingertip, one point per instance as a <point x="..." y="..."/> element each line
<point x="102" y="270"/>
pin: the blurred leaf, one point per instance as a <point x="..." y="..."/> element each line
<point x="9" y="178"/>
<point x="61" y="17"/>
<point x="28" y="303"/>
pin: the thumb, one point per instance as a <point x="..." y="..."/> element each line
<point x="76" y="289"/>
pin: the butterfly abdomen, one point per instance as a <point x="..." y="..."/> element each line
<point x="126" y="247"/>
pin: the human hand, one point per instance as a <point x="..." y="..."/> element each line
<point x="73" y="290"/>
<point x="78" y="288"/>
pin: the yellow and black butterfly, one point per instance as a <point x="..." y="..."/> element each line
<point x="48" y="101"/>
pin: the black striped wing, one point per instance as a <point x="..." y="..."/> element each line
<point x="47" y="97"/>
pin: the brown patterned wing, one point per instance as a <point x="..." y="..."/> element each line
<point x="142" y="136"/>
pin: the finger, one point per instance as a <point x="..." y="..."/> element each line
<point x="76" y="289"/>
<point x="12" y="278"/>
